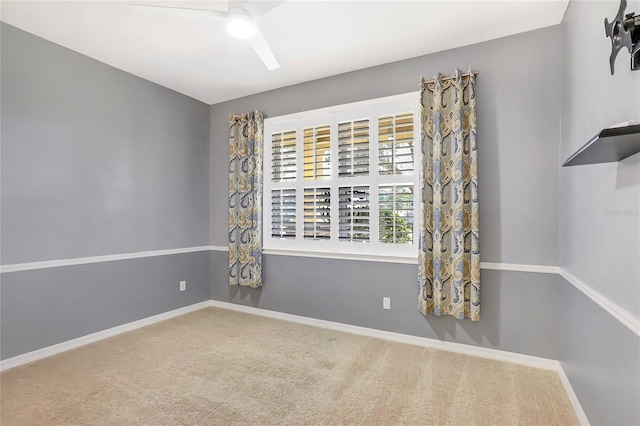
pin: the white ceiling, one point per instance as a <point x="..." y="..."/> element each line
<point x="310" y="39"/>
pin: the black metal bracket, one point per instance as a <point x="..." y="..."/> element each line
<point x="624" y="31"/>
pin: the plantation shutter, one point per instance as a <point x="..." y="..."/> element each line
<point x="395" y="211"/>
<point x="283" y="152"/>
<point x="317" y="213"/>
<point x="317" y="148"/>
<point x="353" y="148"/>
<point x="354" y="213"/>
<point x="395" y="144"/>
<point x="341" y="178"/>
<point x="283" y="213"/>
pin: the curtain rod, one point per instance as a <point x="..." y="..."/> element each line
<point x="450" y="77"/>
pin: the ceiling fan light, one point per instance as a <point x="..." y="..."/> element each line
<point x="241" y="25"/>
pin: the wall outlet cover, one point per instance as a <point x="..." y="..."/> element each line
<point x="386" y="303"/>
<point x="183" y="285"/>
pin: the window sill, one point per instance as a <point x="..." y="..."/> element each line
<point x="343" y="256"/>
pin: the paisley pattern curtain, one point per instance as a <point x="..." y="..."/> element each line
<point x="449" y="256"/>
<point x="246" y="133"/>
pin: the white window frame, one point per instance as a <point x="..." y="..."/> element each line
<point x="371" y="109"/>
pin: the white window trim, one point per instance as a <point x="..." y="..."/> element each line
<point x="371" y="109"/>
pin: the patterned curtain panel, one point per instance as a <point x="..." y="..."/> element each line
<point x="449" y="256"/>
<point x="246" y="133"/>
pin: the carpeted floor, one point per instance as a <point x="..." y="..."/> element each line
<point x="216" y="366"/>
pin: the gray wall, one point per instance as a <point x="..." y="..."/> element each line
<point x="518" y="132"/>
<point x="601" y="358"/>
<point x="518" y="113"/>
<point x="598" y="245"/>
<point x="600" y="248"/>
<point x="518" y="309"/>
<point x="43" y="307"/>
<point x="95" y="161"/>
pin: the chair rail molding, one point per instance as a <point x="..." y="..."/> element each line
<point x="619" y="313"/>
<point x="626" y="318"/>
<point x="29" y="266"/>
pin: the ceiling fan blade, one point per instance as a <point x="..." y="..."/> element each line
<point x="164" y="8"/>
<point x="254" y="7"/>
<point x="261" y="47"/>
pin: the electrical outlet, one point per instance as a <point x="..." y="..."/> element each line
<point x="183" y="285"/>
<point x="386" y="303"/>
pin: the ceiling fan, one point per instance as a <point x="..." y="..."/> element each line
<point x="240" y="17"/>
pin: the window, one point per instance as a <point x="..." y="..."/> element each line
<point x="343" y="179"/>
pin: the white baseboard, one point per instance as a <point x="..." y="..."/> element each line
<point x="94" y="337"/>
<point x="573" y="398"/>
<point x="495" y="354"/>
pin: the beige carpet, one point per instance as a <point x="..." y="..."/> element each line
<point x="221" y="367"/>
